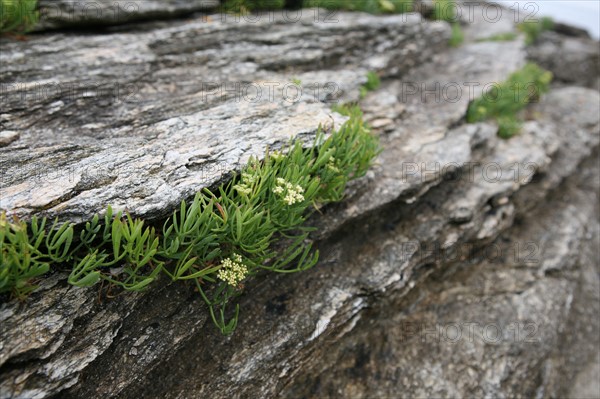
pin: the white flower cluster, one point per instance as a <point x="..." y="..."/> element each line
<point x="248" y="179"/>
<point x="232" y="271"/>
<point x="291" y="194"/>
<point x="331" y="165"/>
<point x="277" y="155"/>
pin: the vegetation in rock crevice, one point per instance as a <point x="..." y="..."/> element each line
<point x="500" y="37"/>
<point x="533" y="29"/>
<point x="446" y="10"/>
<point x="503" y="101"/>
<point x="370" y="6"/>
<point x="373" y="82"/>
<point x="17" y="15"/>
<point x="255" y="222"/>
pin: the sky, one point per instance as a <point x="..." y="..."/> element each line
<point x="582" y="13"/>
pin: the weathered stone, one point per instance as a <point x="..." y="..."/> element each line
<point x="144" y="119"/>
<point x="69" y="13"/>
<point x="490" y="325"/>
<point x="572" y="60"/>
<point x="7" y="137"/>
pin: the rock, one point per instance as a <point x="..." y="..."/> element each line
<point x="67" y="14"/>
<point x="7" y="137"/>
<point x="145" y="118"/>
<point x="572" y="60"/>
<point x="461" y="265"/>
<point x="480" y="323"/>
<point x="570" y="30"/>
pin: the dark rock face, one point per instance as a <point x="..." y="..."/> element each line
<point x="572" y="60"/>
<point x="462" y="265"/>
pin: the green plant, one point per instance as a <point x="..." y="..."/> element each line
<point x="26" y="252"/>
<point x="504" y="100"/>
<point x="247" y="6"/>
<point x="446" y="10"/>
<point x="370" y="6"/>
<point x="254" y="222"/>
<point x="457" y="36"/>
<point x="500" y="37"/>
<point x="296" y="81"/>
<point x="18" y="15"/>
<point x="373" y="83"/>
<point x="532" y="29"/>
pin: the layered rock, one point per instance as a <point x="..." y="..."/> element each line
<point x="572" y="60"/>
<point x="145" y="118"/>
<point x="454" y="230"/>
<point x="69" y="14"/>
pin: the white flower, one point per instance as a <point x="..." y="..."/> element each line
<point x="278" y="156"/>
<point x="331" y="165"/>
<point x="232" y="271"/>
<point x="290" y="193"/>
<point x="289" y="199"/>
<point x="248" y="178"/>
<point x="242" y="189"/>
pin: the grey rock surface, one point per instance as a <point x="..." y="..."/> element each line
<point x="57" y="14"/>
<point x="572" y="60"/>
<point x="145" y="118"/>
<point x="453" y="231"/>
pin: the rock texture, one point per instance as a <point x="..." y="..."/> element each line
<point x="55" y="14"/>
<point x="462" y="265"/>
<point x="145" y="118"/>
<point x="573" y="60"/>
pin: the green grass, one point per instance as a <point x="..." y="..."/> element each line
<point x="370" y="6"/>
<point x="457" y="37"/>
<point x="500" y="37"/>
<point x="254" y="223"/>
<point x="445" y="10"/>
<point x="373" y="83"/>
<point x="17" y="16"/>
<point x="247" y="6"/>
<point x="505" y="100"/>
<point x="532" y="29"/>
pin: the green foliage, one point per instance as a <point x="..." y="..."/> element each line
<point x="255" y="222"/>
<point x="532" y="29"/>
<point x="246" y="6"/>
<point x="500" y="37"/>
<point x="445" y="10"/>
<point x="18" y="15"/>
<point x="373" y="83"/>
<point x="370" y="6"/>
<point x="343" y="109"/>
<point x="504" y="100"/>
<point x="457" y="36"/>
<point x="27" y="251"/>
